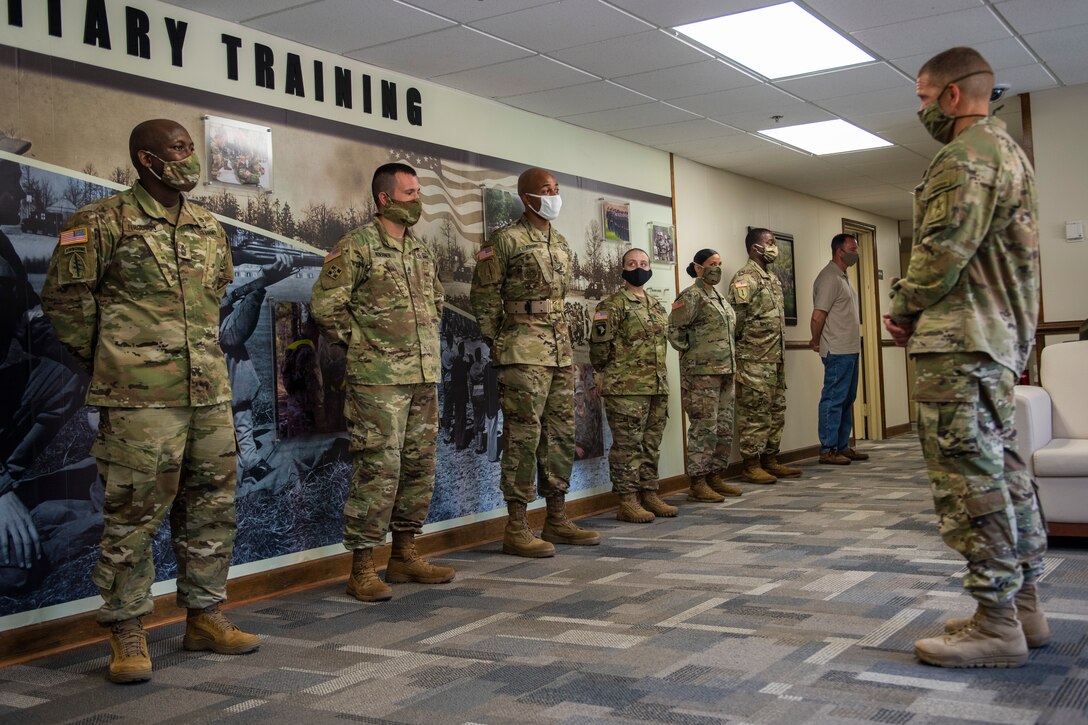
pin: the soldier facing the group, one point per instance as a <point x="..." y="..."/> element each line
<point x="701" y="326"/>
<point x="627" y="346"/>
<point x="756" y="296"/>
<point x="518" y="292"/>
<point x="133" y="291"/>
<point x="379" y="297"/>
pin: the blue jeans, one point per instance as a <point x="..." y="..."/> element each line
<point x="837" y="401"/>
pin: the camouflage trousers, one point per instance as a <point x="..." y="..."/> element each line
<point x="393" y="431"/>
<point x="538" y="430"/>
<point x="637" y="423"/>
<point x="986" y="503"/>
<point x="761" y="407"/>
<point x="155" y="460"/>
<point x="708" y="403"/>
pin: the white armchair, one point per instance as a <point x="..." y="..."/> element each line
<point x="1052" y="436"/>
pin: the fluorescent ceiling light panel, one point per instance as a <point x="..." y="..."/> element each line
<point x="777" y="41"/>
<point x="826" y="137"/>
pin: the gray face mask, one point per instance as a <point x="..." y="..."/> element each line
<point x="850" y="258"/>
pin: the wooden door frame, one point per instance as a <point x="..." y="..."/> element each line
<point x="873" y="349"/>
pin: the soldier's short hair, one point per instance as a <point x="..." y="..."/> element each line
<point x="754" y="236"/>
<point x="385" y="178"/>
<point x="623" y="259"/>
<point x="955" y="63"/>
<point x="838" y="240"/>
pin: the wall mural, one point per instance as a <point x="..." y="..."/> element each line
<point x="288" y="391"/>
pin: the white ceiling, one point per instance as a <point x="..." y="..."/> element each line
<point x="616" y="66"/>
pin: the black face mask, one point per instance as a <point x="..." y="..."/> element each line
<point x="637" y="276"/>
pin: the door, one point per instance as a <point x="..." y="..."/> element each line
<point x="869" y="405"/>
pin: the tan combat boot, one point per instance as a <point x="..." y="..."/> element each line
<point x="718" y="483"/>
<point x="129" y="660"/>
<point x="406" y="565"/>
<point x="1028" y="611"/>
<point x="700" y="492"/>
<point x="208" y="629"/>
<point x="518" y="539"/>
<point x="655" y="505"/>
<point x="364" y="583"/>
<point x="994" y="638"/>
<point x="631" y="510"/>
<point x="771" y="465"/>
<point x="559" y="529"/>
<point x="753" y="473"/>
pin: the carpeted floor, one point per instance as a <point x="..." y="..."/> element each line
<point x="797" y="603"/>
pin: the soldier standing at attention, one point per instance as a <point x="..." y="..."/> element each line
<point x="701" y="328"/>
<point x="133" y="290"/>
<point x="967" y="311"/>
<point x="627" y="346"/>
<point x="756" y="296"/>
<point x="518" y="292"/>
<point x="379" y="297"/>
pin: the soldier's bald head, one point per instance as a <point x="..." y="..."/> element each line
<point x="963" y="66"/>
<point x="153" y="136"/>
<point x="532" y="179"/>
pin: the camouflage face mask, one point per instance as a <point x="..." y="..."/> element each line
<point x="712" y="275"/>
<point x="181" y="175"/>
<point x="405" y="213"/>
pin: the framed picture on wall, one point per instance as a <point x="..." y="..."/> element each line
<point x="501" y="207"/>
<point x="785" y="269"/>
<point x="239" y="153"/>
<point x="662" y="243"/>
<point x="616" y="221"/>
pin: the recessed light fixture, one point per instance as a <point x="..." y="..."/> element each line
<point x="826" y="137"/>
<point x="777" y="41"/>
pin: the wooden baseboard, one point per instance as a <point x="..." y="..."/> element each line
<point x="897" y="430"/>
<point x="1056" y="528"/>
<point x="78" y="630"/>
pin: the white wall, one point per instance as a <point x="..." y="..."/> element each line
<point x="1061" y="170"/>
<point x="714" y="209"/>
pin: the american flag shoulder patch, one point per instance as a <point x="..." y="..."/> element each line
<point x="678" y="304"/>
<point x="333" y="255"/>
<point x="74" y="236"/>
<point x="600" y="315"/>
<point x="742" y="283"/>
<point x="486" y="253"/>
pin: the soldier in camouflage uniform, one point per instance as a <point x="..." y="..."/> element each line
<point x="756" y="296"/>
<point x="627" y="346"/>
<point x="519" y="289"/>
<point x="133" y="290"/>
<point x="967" y="311"/>
<point x="701" y="327"/>
<point x="379" y="297"/>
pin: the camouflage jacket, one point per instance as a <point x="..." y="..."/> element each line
<point x="381" y="299"/>
<point x="973" y="280"/>
<point x="756" y="296"/>
<point x="627" y="345"/>
<point x="136" y="300"/>
<point x="701" y="327"/>
<point x="521" y="264"/>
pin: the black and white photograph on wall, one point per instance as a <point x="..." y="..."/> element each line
<point x="501" y="207"/>
<point x="662" y="243"/>
<point x="239" y="153"/>
<point x="616" y="217"/>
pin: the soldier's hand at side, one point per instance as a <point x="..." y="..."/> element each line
<point x="19" y="543"/>
<point x="900" y="333"/>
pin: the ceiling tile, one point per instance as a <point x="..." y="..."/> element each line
<point x="344" y="25"/>
<point x="851" y="15"/>
<point x="1003" y="53"/>
<point x="525" y="75"/>
<point x="714" y="146"/>
<point x="1063" y="50"/>
<point x="237" y="10"/>
<point x="892" y="99"/>
<point x="630" y="54"/>
<point x="465" y="11"/>
<point x="563" y="24"/>
<point x="443" y="51"/>
<point x="933" y="34"/>
<point x="620" y="119"/>
<point x="572" y="100"/>
<point x="1027" y="78"/>
<point x="749" y="99"/>
<point x="671" y="14"/>
<point x="687" y="130"/>
<point x="794" y="114"/>
<point x="872" y="77"/>
<point x="688" y="80"/>
<point x="1034" y="16"/>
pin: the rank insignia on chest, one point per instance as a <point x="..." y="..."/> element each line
<point x="600" y="315"/>
<point x="485" y="253"/>
<point x="73" y="236"/>
<point x="333" y="255"/>
<point x="333" y="271"/>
